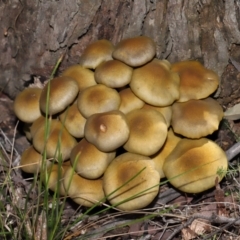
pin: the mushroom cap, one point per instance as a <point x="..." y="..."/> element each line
<point x="131" y="176"/>
<point x="98" y="99"/>
<point x="169" y="145"/>
<point x="196" y="118"/>
<point x="63" y="91"/>
<point x="148" y="131"/>
<point x="88" y="161"/>
<point x="73" y="121"/>
<point x="135" y="51"/>
<point x="58" y="143"/>
<point x="155" y="84"/>
<point x="81" y="190"/>
<point x="196" y="81"/>
<point x="53" y="177"/>
<point x="32" y="161"/>
<point x="129" y="101"/>
<point x="107" y="131"/>
<point x="83" y="76"/>
<point x="113" y="74"/>
<point x="96" y="53"/>
<point x="26" y="105"/>
<point x="36" y="125"/>
<point x="193" y="165"/>
<point x="165" y="111"/>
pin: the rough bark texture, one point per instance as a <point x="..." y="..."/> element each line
<point x="36" y="33"/>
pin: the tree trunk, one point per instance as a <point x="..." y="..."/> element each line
<point x="36" y="33"/>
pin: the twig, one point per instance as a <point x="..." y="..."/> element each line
<point x="213" y="219"/>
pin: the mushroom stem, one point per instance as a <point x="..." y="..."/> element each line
<point x="172" y="193"/>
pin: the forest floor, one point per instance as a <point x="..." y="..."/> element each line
<point x="210" y="215"/>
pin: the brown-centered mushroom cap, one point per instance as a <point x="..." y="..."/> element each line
<point x="107" y="131"/>
<point x="196" y="118"/>
<point x="96" y="53"/>
<point x="81" y="190"/>
<point x="83" y="76"/>
<point x="193" y="165"/>
<point x="129" y="101"/>
<point x="148" y="131"/>
<point x="196" y="81"/>
<point x="169" y="145"/>
<point x="26" y="105"/>
<point x="113" y="73"/>
<point x="135" y="51"/>
<point x="155" y="84"/>
<point x="73" y="121"/>
<point x="32" y="161"/>
<point x="133" y="176"/>
<point x="63" y="91"/>
<point x="165" y="111"/>
<point x="58" y="143"/>
<point x="98" y="99"/>
<point x="88" y="161"/>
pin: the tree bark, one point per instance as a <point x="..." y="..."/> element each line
<point x="36" y="33"/>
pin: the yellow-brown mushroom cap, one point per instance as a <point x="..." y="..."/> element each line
<point x="88" y="161"/>
<point x="32" y="161"/>
<point x="169" y="145"/>
<point x="196" y="81"/>
<point x="96" y="53"/>
<point x="98" y="99"/>
<point x="148" y="131"/>
<point x="59" y="142"/>
<point x="135" y="51"/>
<point x="129" y="101"/>
<point x="196" y="118"/>
<point x="73" y="121"/>
<point x="193" y="165"/>
<point x="165" y="111"/>
<point x="155" y="84"/>
<point x="81" y="190"/>
<point x="26" y="105"/>
<point x="107" y="131"/>
<point x="133" y="176"/>
<point x="63" y="91"/>
<point x="113" y="73"/>
<point x="83" y="76"/>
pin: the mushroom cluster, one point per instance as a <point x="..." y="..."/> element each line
<point x="111" y="126"/>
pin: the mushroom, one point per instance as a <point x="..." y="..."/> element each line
<point x="26" y="105"/>
<point x="57" y="142"/>
<point x="81" y="190"/>
<point x="107" y="131"/>
<point x="98" y="99"/>
<point x="155" y="84"/>
<point x="96" y="53"/>
<point x="131" y="181"/>
<point x="135" y="51"/>
<point x="148" y="131"/>
<point x="196" y="118"/>
<point x="194" y="164"/>
<point x="73" y="121"/>
<point x="62" y="92"/>
<point x="169" y="145"/>
<point x="113" y="74"/>
<point x="129" y="101"/>
<point x="88" y="161"/>
<point x="52" y="177"/>
<point x="165" y="111"/>
<point x="196" y="82"/>
<point x="83" y="76"/>
<point x="32" y="161"/>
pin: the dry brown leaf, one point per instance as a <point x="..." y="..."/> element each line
<point x="197" y="228"/>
